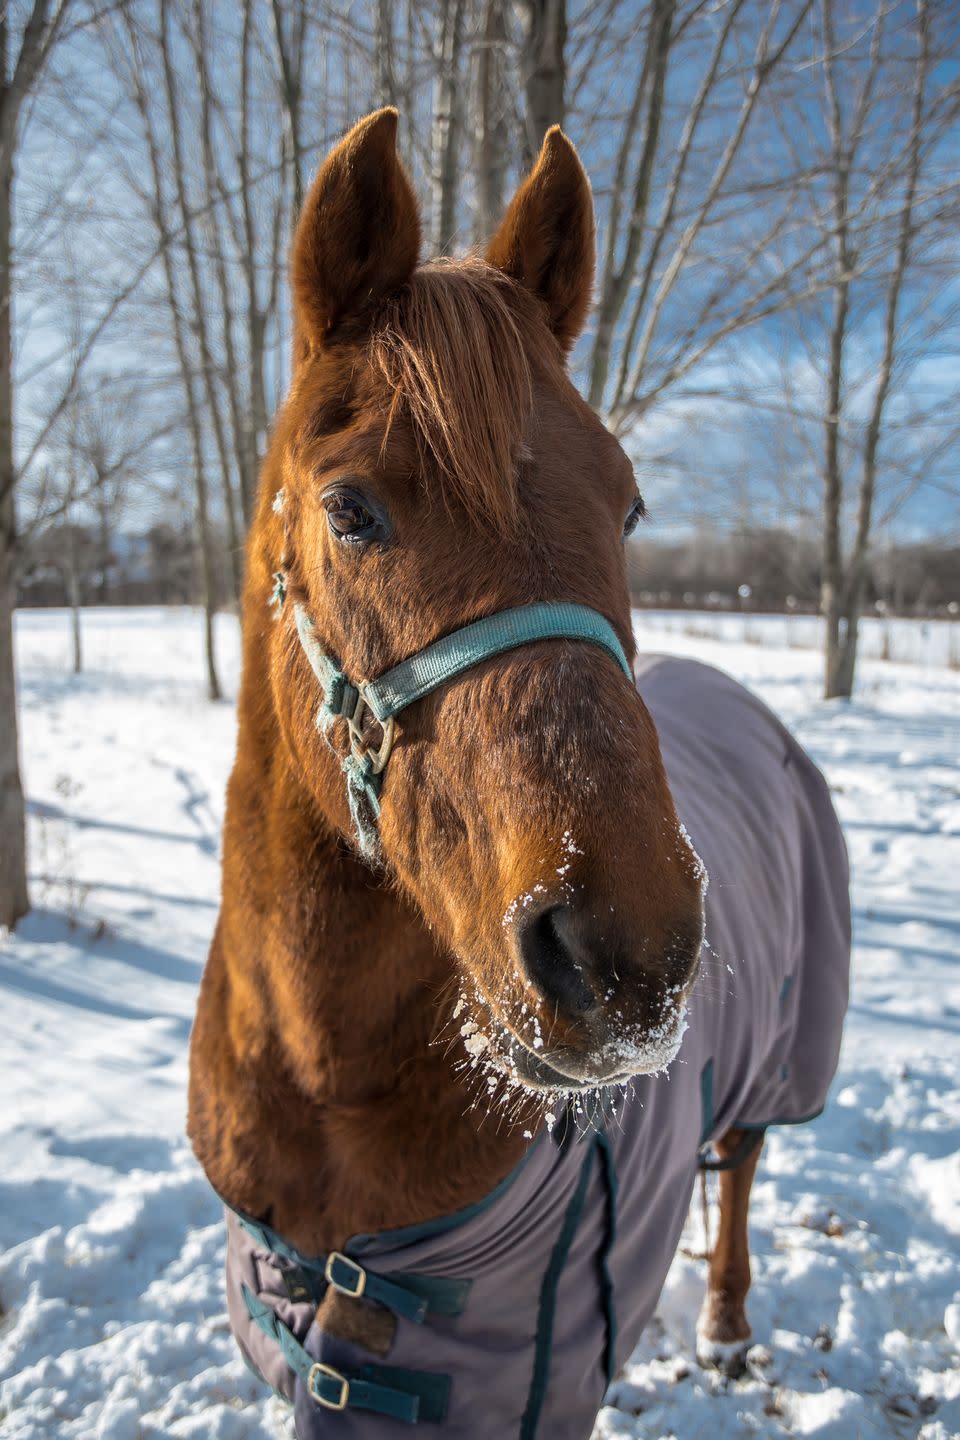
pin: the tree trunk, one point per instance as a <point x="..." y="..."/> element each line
<point x="544" y="68"/>
<point x="446" y="129"/>
<point x="73" y="596"/>
<point x="199" y="317"/>
<point x="387" y="91"/>
<point x="490" y="127"/>
<point x="840" y="680"/>
<point x="844" y="658"/>
<point x="103" y="518"/>
<point x="242" y="424"/>
<point x="290" y="60"/>
<point x="256" y="313"/>
<point x="831" y="573"/>
<point x="617" y="280"/>
<point x="14" y="901"/>
<point x="178" y="323"/>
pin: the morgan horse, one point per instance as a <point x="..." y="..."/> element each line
<point x="467" y="841"/>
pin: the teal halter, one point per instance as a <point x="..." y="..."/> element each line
<point x="424" y="672"/>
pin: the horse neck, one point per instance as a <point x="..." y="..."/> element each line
<point x="319" y="1094"/>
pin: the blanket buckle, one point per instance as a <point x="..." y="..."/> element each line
<point x="337" y="1261"/>
<point x="319" y="1371"/>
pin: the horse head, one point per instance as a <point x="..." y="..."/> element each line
<point x="437" y="466"/>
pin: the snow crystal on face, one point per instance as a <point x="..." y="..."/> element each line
<point x="569" y="848"/>
<point x="474" y="1040"/>
<point x="520" y="902"/>
<point x="699" y="869"/>
<point x="279" y="500"/>
<point x="652" y="1050"/>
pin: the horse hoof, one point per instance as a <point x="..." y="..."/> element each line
<point x="729" y="1357"/>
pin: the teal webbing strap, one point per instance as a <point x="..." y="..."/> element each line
<point x="431" y="1388"/>
<point x="412" y="1297"/>
<point x="441" y="1294"/>
<point x="425" y="672"/>
<point x="450" y="656"/>
<point x="407" y="1395"/>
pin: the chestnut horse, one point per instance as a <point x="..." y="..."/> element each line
<point x="437" y="929"/>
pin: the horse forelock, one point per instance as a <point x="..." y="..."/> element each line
<point x="456" y="345"/>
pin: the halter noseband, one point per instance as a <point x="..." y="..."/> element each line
<point x="423" y="673"/>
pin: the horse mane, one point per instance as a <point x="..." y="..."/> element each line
<point x="454" y="345"/>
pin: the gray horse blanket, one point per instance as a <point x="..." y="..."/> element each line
<point x="514" y="1314"/>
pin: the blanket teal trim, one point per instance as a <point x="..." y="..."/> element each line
<point x="780" y="1120"/>
<point x="424" y="1230"/>
<point x="706" y="1103"/>
<point x="599" y="1146"/>
<point x="413" y="1297"/>
<point x="606" y="1279"/>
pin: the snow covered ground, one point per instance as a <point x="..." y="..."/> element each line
<point x="110" y="1240"/>
<point x="912" y="642"/>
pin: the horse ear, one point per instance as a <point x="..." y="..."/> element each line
<point x="546" y="240"/>
<point x="358" y="237"/>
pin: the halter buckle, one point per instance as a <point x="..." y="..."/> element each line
<point x="319" y="1369"/>
<point x="379" y="757"/>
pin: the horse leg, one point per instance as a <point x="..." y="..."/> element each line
<point x="723" y="1333"/>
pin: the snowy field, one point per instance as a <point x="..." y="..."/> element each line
<point x="111" y="1242"/>
<point x="910" y="642"/>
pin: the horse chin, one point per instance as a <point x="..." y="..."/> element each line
<point x="645" y="1051"/>
<point x="535" y="1072"/>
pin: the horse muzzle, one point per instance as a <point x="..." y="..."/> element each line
<point x="609" y="1052"/>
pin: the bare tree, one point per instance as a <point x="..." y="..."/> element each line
<point x="543" y="64"/>
<point x="446" y="125"/>
<point x="133" y="69"/>
<point x="21" y="65"/>
<point x="289" y="29"/>
<point x="874" y="248"/>
<point x="676" y="191"/>
<point x="490" y="123"/>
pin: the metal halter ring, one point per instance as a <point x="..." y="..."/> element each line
<point x="379" y="757"/>
<point x="341" y="1401"/>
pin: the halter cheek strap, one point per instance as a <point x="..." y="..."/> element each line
<point x="423" y="673"/>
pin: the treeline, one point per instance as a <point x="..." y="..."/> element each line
<point x="774" y="570"/>
<point x="760" y="569"/>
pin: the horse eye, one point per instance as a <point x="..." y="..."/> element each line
<point x="634" y="515"/>
<point x="349" y="519"/>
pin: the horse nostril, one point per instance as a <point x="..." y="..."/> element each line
<point x="554" y="960"/>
